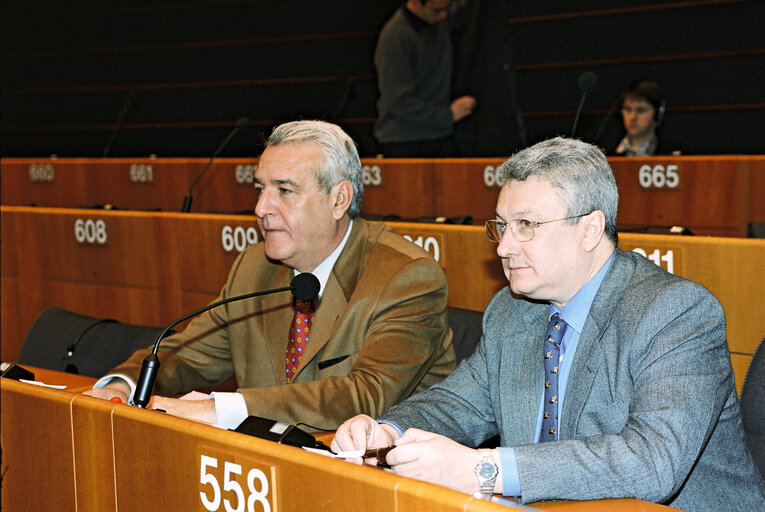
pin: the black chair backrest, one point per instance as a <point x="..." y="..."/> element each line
<point x="466" y="330"/>
<point x="753" y="407"/>
<point x="97" y="345"/>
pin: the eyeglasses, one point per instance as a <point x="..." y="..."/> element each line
<point x="522" y="230"/>
<point x="638" y="110"/>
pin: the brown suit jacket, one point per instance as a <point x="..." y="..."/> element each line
<point x="380" y="334"/>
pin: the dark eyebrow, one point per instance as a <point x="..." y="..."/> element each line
<point x="279" y="183"/>
<point x="520" y="215"/>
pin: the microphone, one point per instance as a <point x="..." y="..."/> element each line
<point x="303" y="286"/>
<point x="348" y="93"/>
<point x="587" y="82"/>
<point x="603" y="123"/>
<point x="118" y="123"/>
<point x="241" y="124"/>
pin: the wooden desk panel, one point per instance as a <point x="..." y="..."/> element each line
<point x="757" y="163"/>
<point x="91" y="426"/>
<point x="712" y="195"/>
<point x="468" y="187"/>
<point x="116" y="249"/>
<point x="470" y="262"/>
<point x="208" y="246"/>
<point x="193" y="264"/>
<point x="709" y="195"/>
<point x="402" y="187"/>
<point x="67" y="452"/>
<point x="119" y="278"/>
<point x="37" y="461"/>
<point x="10" y="287"/>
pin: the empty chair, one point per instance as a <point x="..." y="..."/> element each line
<point x="65" y="341"/>
<point x="466" y="329"/>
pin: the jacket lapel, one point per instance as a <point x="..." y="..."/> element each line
<point x="337" y="292"/>
<point x="526" y="376"/>
<point x="590" y="350"/>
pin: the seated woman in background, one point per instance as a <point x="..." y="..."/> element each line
<point x="642" y="110"/>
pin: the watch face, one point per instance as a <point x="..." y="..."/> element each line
<point x="487" y="470"/>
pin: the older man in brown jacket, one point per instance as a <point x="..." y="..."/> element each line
<point x="380" y="330"/>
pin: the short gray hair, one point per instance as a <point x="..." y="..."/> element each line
<point x="340" y="157"/>
<point x="579" y="170"/>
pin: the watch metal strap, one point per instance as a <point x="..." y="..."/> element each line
<point x="486" y="487"/>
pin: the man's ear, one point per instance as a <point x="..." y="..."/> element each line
<point x="342" y="195"/>
<point x="594" y="225"/>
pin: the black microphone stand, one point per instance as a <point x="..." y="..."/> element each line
<point x="304" y="286"/>
<point x="150" y="367"/>
<point x="241" y="124"/>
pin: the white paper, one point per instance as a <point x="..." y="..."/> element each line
<point x="38" y="383"/>
<point x="355" y="454"/>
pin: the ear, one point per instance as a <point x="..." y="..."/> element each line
<point x="341" y="197"/>
<point x="594" y="226"/>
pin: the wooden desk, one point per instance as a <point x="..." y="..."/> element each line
<point x="155" y="267"/>
<point x="68" y="452"/>
<point x="711" y="195"/>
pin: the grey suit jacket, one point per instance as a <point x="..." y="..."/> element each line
<point x="380" y="334"/>
<point x="650" y="410"/>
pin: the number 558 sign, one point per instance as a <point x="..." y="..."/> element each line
<point x="233" y="484"/>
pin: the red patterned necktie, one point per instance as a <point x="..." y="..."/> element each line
<point x="299" y="333"/>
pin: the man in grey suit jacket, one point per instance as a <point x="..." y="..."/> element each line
<point x="645" y="390"/>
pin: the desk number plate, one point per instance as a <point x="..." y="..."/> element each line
<point x="230" y="483"/>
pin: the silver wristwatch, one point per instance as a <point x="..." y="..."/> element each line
<point x="486" y="471"/>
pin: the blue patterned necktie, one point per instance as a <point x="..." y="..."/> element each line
<point x="553" y="338"/>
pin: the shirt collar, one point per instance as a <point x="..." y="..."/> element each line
<point x="324" y="268"/>
<point x="576" y="310"/>
<point x="417" y="23"/>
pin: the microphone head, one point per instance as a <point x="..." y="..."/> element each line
<point x="305" y="286"/>
<point x="588" y="81"/>
<point x="242" y="123"/>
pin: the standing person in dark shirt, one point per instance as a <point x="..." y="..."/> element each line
<point x="414" y="67"/>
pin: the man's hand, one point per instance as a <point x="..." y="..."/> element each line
<point x="462" y="107"/>
<point x="436" y="459"/>
<point x="114" y="389"/>
<point x="363" y="433"/>
<point x="197" y="410"/>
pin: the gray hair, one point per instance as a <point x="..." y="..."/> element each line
<point x="579" y="170"/>
<point x="340" y="157"/>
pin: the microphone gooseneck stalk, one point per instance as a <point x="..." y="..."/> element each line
<point x="241" y="124"/>
<point x="118" y="124"/>
<point x="587" y="82"/>
<point x="304" y="286"/>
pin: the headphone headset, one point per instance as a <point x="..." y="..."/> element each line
<point x="659" y="115"/>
